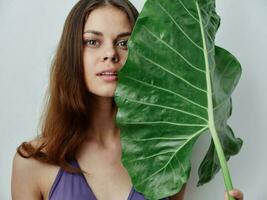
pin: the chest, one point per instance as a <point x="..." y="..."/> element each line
<point x="109" y="182"/>
<point x="105" y="174"/>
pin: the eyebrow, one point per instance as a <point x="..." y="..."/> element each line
<point x="101" y="34"/>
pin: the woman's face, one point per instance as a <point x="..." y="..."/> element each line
<point x="105" y="37"/>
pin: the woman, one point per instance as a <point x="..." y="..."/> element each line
<point x="78" y="129"/>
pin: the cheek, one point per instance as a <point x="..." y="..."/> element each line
<point x="123" y="56"/>
<point x="88" y="64"/>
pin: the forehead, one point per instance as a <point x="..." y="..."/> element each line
<point x="108" y="19"/>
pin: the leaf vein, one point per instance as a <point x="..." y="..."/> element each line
<point x="167" y="90"/>
<point x="180" y="28"/>
<point x="166" y="107"/>
<point x="194" y="135"/>
<point x="182" y="166"/>
<point x="151" y="156"/>
<point x="158" y="138"/>
<point x="174" y="50"/>
<point x="164" y="122"/>
<point x="179" y="77"/>
<point x="188" y="11"/>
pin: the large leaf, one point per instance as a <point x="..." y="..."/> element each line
<point x="226" y="76"/>
<point x="171" y="90"/>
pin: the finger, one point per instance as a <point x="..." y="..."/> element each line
<point x="237" y="194"/>
<point x="225" y="196"/>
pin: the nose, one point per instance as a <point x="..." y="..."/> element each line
<point x="111" y="54"/>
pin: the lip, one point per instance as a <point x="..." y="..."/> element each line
<point x="107" y="70"/>
<point x="108" y="78"/>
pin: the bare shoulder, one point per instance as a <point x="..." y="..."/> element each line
<point x="24" y="181"/>
<point x="31" y="179"/>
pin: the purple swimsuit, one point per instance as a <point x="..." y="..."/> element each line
<point x="73" y="186"/>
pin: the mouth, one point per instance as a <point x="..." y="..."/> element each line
<point x="108" y="76"/>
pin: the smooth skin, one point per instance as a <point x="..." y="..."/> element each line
<point x="106" y="33"/>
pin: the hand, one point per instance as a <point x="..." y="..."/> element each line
<point x="237" y="194"/>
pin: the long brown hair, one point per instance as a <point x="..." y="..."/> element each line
<point x="66" y="114"/>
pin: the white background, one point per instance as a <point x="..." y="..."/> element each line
<point x="29" y="32"/>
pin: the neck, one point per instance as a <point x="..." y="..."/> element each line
<point x="102" y="128"/>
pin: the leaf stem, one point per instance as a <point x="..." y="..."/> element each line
<point x="214" y="134"/>
<point x="223" y="163"/>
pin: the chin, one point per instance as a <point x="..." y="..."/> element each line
<point x="106" y="93"/>
<point x="103" y="91"/>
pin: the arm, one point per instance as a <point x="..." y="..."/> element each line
<point x="179" y="195"/>
<point x="24" y="184"/>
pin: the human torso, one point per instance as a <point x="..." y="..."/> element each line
<point x="105" y="175"/>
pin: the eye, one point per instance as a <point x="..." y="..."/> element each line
<point x="123" y="44"/>
<point x="92" y="43"/>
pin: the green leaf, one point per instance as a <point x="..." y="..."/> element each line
<point x="171" y="90"/>
<point x="226" y="76"/>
